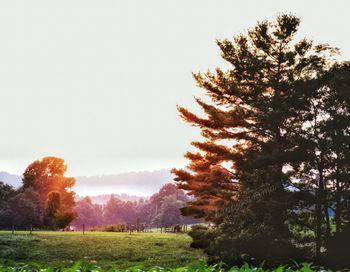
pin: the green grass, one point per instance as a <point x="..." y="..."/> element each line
<point x="117" y="250"/>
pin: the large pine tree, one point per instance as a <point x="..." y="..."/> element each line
<point x="239" y="177"/>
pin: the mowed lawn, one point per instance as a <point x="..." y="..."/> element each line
<point x="119" y="250"/>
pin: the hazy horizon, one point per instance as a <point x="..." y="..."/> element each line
<point x="97" y="84"/>
<point x="136" y="183"/>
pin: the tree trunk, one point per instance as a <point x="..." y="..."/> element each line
<point x="338" y="209"/>
<point x="328" y="226"/>
<point x="319" y="198"/>
<point x="325" y="207"/>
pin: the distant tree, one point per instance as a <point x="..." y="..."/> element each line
<point x="111" y="211"/>
<point x="89" y="214"/>
<point x="154" y="207"/>
<point x="63" y="218"/>
<point x="127" y="212"/>
<point x="22" y="210"/>
<point x="117" y="211"/>
<point x="170" y="211"/>
<point x="144" y="211"/>
<point x="6" y="191"/>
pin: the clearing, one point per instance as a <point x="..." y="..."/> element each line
<point x="108" y="249"/>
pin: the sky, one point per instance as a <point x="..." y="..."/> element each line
<point x="97" y="82"/>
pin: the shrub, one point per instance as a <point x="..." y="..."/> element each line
<point x="201" y="235"/>
<point x="232" y="249"/>
<point x="115" y="228"/>
<point x="338" y="248"/>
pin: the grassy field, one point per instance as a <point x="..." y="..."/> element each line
<point x="119" y="250"/>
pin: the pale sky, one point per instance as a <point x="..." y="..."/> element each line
<point x="97" y="82"/>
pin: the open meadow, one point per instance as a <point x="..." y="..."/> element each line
<point x="118" y="250"/>
<point x="175" y="136"/>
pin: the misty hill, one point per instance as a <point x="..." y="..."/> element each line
<point x="12" y="179"/>
<point x="144" y="183"/>
<point x="102" y="199"/>
<point x="134" y="184"/>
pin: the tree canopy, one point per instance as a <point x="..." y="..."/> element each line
<point x="47" y="175"/>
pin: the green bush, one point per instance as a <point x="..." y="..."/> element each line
<point x="232" y="249"/>
<point x="115" y="228"/>
<point x="338" y="248"/>
<point x="202" y="236"/>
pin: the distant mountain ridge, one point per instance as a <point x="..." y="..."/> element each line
<point x="143" y="183"/>
<point x="133" y="184"/>
<point x="12" y="179"/>
<point x="103" y="199"/>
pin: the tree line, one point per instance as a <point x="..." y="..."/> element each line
<point x="276" y="121"/>
<point x="160" y="210"/>
<point x="46" y="201"/>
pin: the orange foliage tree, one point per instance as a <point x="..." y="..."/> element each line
<point x="47" y="177"/>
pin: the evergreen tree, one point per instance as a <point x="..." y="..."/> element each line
<point x="333" y="147"/>
<point x="321" y="178"/>
<point x="252" y="129"/>
<point x="337" y="131"/>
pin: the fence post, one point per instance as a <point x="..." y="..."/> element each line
<point x="13" y="228"/>
<point x="138" y="224"/>
<point x="31" y="229"/>
<point x="83" y="229"/>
